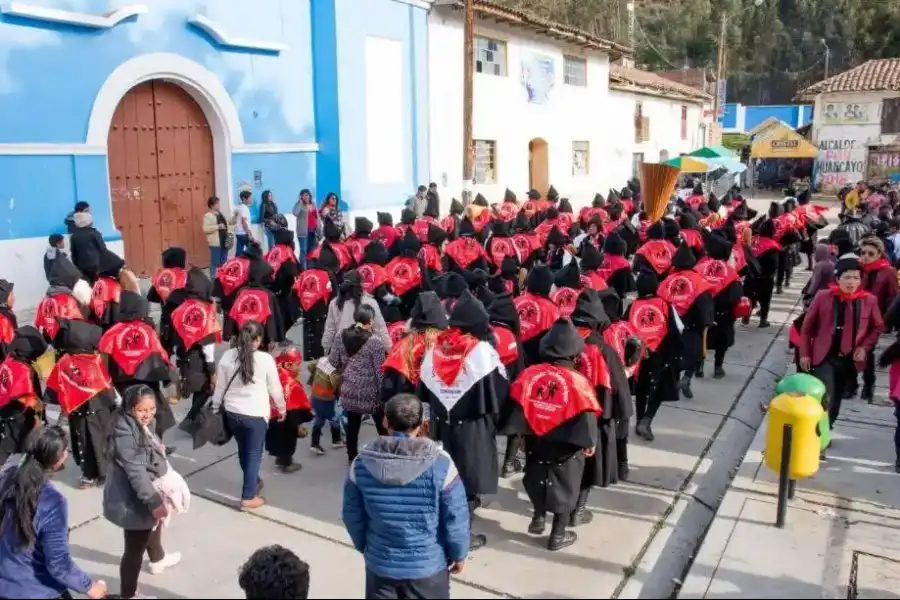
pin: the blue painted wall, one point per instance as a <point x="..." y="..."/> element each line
<point x="282" y="173"/>
<point x="744" y="118"/>
<point x="730" y="118"/>
<point x="341" y="100"/>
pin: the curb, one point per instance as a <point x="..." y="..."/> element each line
<point x="667" y="557"/>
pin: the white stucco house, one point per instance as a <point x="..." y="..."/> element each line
<point x="541" y="104"/>
<point x="651" y="119"/>
<point x="856" y="124"/>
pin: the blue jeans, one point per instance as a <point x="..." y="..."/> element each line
<point x="250" y="435"/>
<point x="310" y="242"/>
<point x="217" y="257"/>
<point x="301" y="251"/>
<point x="326" y="411"/>
<point x="270" y="238"/>
<point x="240" y="243"/>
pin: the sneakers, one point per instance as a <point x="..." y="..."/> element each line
<point x="169" y="560"/>
<point x="338" y="445"/>
<point x="317" y="450"/>
<point x="291" y="468"/>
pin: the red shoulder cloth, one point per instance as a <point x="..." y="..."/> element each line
<point x="501" y="247"/>
<point x="404" y="274"/>
<point x="592" y="364"/>
<point x="507" y="346"/>
<point x="659" y="254"/>
<point x="594" y="280"/>
<point x="17" y="383"/>
<point x="7" y="331"/>
<point x="536" y="315"/>
<point x="565" y="298"/>
<point x="760" y="245"/>
<point x="130" y="344"/>
<point x="396" y="330"/>
<point x="692" y="238"/>
<point x="526" y="243"/>
<point x="251" y="304"/>
<point x="77" y="378"/>
<point x="611" y="264"/>
<point x="372" y="276"/>
<point x="681" y="288"/>
<point x="718" y="273"/>
<point x="194" y="320"/>
<point x="105" y="291"/>
<point x="312" y="286"/>
<point x="465" y="251"/>
<point x="54" y="308"/>
<point x="166" y="281"/>
<point x="650" y="319"/>
<point x="550" y="395"/>
<point x="406" y="357"/>
<point x="357" y="247"/>
<point x="507" y="211"/>
<point x="295" y="397"/>
<point x="278" y="255"/>
<point x="616" y="335"/>
<point x="233" y="274"/>
<point x="432" y="257"/>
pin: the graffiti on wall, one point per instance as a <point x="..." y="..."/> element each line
<point x="841" y="161"/>
<point x="848" y="113"/>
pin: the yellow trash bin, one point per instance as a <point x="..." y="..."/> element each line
<point x="803" y="413"/>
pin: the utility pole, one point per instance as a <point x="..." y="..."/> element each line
<point x="468" y="92"/>
<point x="827" y="58"/>
<point x="720" y="66"/>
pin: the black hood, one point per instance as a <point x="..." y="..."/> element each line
<point x="253" y="251"/>
<point x="626" y="193"/>
<point x="28" y="345"/>
<point x="614" y="244"/>
<point x="533" y="194"/>
<point x="466" y="228"/>
<point x="407" y="216"/>
<point x="589" y="311"/>
<point x="331" y="231"/>
<point x="775" y="210"/>
<point x="556" y="237"/>
<point x="684" y="258"/>
<point x="703" y="209"/>
<point x="540" y="280"/>
<point x="64" y="273"/>
<point x="614" y="210"/>
<point x="174" y="258"/>
<point x="6" y="289"/>
<point x="552" y="213"/>
<point x="428" y="312"/>
<point x="599" y="201"/>
<point x="409" y="244"/>
<point x="671" y="228"/>
<point x="475" y="278"/>
<point x="569" y="276"/>
<point x="110" y="264"/>
<point x="552" y="194"/>
<point x="284" y="237"/>
<point x="716" y="246"/>
<point x="612" y="197"/>
<point x="565" y="206"/>
<point x="132" y="307"/>
<point x="362" y="226"/>
<point x="500" y="229"/>
<point x="432" y="206"/>
<point x="727" y="198"/>
<point x="480" y="200"/>
<point x="687" y="221"/>
<point x="657" y="231"/>
<point x="591" y="257"/>
<point x="77" y="337"/>
<point x="561" y="342"/>
<point x="728" y="232"/>
<point x="198" y="285"/>
<point x="354" y="338"/>
<point x="259" y="273"/>
<point x="647" y="283"/>
<point x="509" y="196"/>
<point x="470" y="316"/>
<point x="385" y="219"/>
<point x="436" y="235"/>
<point x="767" y="228"/>
<point x="450" y="285"/>
<point x="713" y="203"/>
<point x="503" y="310"/>
<point x="375" y="254"/>
<point x="522" y="223"/>
<point x="740" y="212"/>
<point x="612" y="303"/>
<point x="509" y="266"/>
<point x="456" y="207"/>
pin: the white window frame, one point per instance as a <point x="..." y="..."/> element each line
<point x="568" y="60"/>
<point x="581" y="147"/>
<point x="485" y="175"/>
<point x="481" y="44"/>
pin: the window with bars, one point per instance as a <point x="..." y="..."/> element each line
<point x="581" y="158"/>
<point x="575" y="71"/>
<point x="490" y="56"/>
<point x="485" y="161"/>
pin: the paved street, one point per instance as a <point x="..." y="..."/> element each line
<point x="639" y="543"/>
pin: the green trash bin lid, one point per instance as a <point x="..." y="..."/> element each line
<point x="801" y="383"/>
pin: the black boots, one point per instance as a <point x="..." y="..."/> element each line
<point x="538" y="523"/>
<point x="511" y="464"/>
<point x="684" y="385"/>
<point x="699" y="372"/>
<point x="868" y="394"/>
<point x="560" y="537"/>
<point x="476" y="540"/>
<point x="643" y="429"/>
<point x="581" y="515"/>
<point x="718" y="372"/>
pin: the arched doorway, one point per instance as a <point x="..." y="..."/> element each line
<point x="160" y="153"/>
<point x="538" y="165"/>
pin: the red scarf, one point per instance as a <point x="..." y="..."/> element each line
<point x="451" y="349"/>
<point x="875" y="266"/>
<point x="844" y="297"/>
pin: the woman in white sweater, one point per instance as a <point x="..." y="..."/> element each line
<point x="246" y="379"/>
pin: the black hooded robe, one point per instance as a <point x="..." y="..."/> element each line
<point x="170" y="277"/>
<point x="20" y="391"/>
<point x="285" y="268"/>
<point x="106" y="290"/>
<point x="256" y="302"/>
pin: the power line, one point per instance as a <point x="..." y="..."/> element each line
<point x="652" y="47"/>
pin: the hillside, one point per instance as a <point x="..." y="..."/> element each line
<point x="773" y="49"/>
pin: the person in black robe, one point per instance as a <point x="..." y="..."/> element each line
<point x="760" y="284"/>
<point x="526" y="240"/>
<point x="404" y="272"/>
<point x="20" y="391"/>
<point x="537" y="312"/>
<point x="313" y="291"/>
<point x="614" y="268"/>
<point x="135" y="355"/>
<point x="190" y="336"/>
<point x="360" y="239"/>
<point x="431" y="251"/>
<point x="555" y="408"/>
<point x="373" y="275"/>
<point x="170" y="277"/>
<point x="727" y="292"/>
<point x="567" y="285"/>
<point x="604" y="369"/>
<point x="465" y="252"/>
<point x="256" y="302"/>
<point x="656" y="253"/>
<point x="106" y="290"/>
<point x="557" y="254"/>
<point x="285" y="268"/>
<point x="448" y="286"/>
<point x="232" y="275"/>
<point x="68" y="297"/>
<point x="404" y="360"/>
<point x="500" y="246"/>
<point x="80" y="385"/>
<point x="659" y="328"/>
<point x="464" y="382"/>
<point x="8" y="321"/>
<point x="690" y="294"/>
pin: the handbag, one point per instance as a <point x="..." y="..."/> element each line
<point x="210" y="426"/>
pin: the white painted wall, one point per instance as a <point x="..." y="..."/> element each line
<point x="502" y="113"/>
<point x="665" y="130"/>
<point x="844" y="125"/>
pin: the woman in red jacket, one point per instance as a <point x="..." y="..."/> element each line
<point x="841" y="328"/>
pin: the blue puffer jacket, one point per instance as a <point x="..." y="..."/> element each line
<point x="405" y="508"/>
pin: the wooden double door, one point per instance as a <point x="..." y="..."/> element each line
<point x="161" y="173"/>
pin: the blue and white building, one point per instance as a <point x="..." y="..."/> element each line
<point x="145" y="108"/>
<point x="738" y="118"/>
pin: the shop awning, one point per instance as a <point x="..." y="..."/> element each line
<point x="714" y="151"/>
<point x="691" y="164"/>
<point x="784" y="143"/>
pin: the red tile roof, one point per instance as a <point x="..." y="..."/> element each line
<point x="628" y="79"/>
<point x="880" y="75"/>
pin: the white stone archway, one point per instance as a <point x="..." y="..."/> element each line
<point x="202" y="85"/>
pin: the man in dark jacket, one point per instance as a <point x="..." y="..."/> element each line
<point x="407" y="539"/>
<point x="86" y="245"/>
